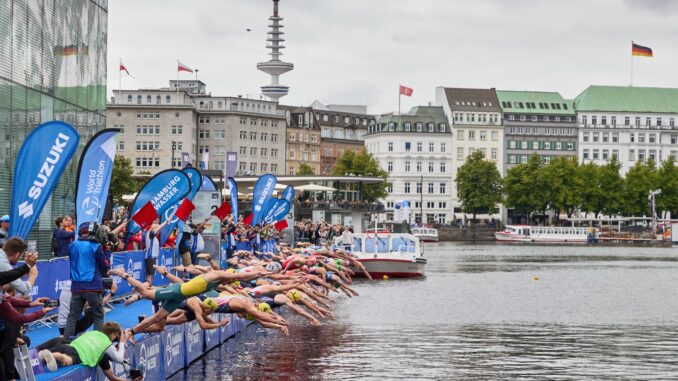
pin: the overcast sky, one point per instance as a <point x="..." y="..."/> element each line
<point x="358" y="51"/>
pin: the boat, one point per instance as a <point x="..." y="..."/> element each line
<point x="397" y="255"/>
<point x="546" y="234"/>
<point x="426" y="234"/>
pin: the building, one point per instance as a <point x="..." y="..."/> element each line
<point x="341" y="128"/>
<point x="275" y="67"/>
<point x="631" y="123"/>
<point x="303" y="139"/>
<point x="53" y="62"/>
<point x="161" y="124"/>
<point x="415" y="149"/>
<point x="475" y="117"/>
<point x="537" y="122"/>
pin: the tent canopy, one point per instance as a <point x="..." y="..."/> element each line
<point x="314" y="188"/>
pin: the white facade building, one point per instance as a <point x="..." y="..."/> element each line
<point x="630" y="123"/>
<point x="415" y="150"/>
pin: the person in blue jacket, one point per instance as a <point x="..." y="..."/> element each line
<point x="88" y="263"/>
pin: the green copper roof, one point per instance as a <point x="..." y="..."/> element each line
<point x="534" y="102"/>
<point x="417" y="114"/>
<point x="628" y="99"/>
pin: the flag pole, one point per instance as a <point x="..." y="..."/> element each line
<point x="631" y="82"/>
<point x="119" y="75"/>
<point x="399" y="96"/>
<point x="177" y="83"/>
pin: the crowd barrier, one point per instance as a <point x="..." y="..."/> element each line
<point x="158" y="356"/>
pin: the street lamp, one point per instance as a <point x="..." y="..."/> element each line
<point x="651" y="197"/>
<point x="174" y="147"/>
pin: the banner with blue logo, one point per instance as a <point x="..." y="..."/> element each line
<point x="133" y="263"/>
<point x="194" y="341"/>
<point x="233" y="189"/>
<point x="196" y="181"/>
<point x="94" y="176"/>
<point x="42" y="159"/>
<point x="288" y="194"/>
<point x="148" y="355"/>
<point x="194" y="178"/>
<point x="208" y="184"/>
<point x="278" y="211"/>
<point x="165" y="258"/>
<point x="263" y="190"/>
<point x="173" y="343"/>
<point x="227" y="330"/>
<point x="163" y="190"/>
<point x="212" y="337"/>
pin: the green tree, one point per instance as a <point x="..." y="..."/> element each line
<point x="362" y="163"/>
<point x="668" y="183"/>
<point x="560" y="175"/>
<point x="524" y="187"/>
<point x="478" y="184"/>
<point x="589" y="188"/>
<point x="121" y="178"/>
<point x="611" y="187"/>
<point x="305" y="170"/>
<point x="639" y="180"/>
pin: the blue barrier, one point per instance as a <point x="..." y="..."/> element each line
<point x="194" y="338"/>
<point x="148" y="357"/>
<point x="173" y="342"/>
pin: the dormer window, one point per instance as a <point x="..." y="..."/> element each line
<point x="431" y="127"/>
<point x="420" y="126"/>
<point x="408" y="126"/>
<point x="391" y="126"/>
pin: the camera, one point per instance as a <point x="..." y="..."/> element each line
<point x="52" y="303"/>
<point x="135" y="374"/>
<point x="107" y="282"/>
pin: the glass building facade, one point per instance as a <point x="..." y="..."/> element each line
<point x="52" y="67"/>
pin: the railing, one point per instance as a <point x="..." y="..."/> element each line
<point x="340" y="206"/>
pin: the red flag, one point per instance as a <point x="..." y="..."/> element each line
<point x="223" y="211"/>
<point x="406" y="91"/>
<point x="280" y="225"/>
<point x="184" y="210"/>
<point x="248" y="220"/>
<point x="182" y="67"/>
<point x="123" y="68"/>
<point x="145" y="216"/>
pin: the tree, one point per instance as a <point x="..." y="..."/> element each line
<point x="560" y="175"/>
<point x="121" y="178"/>
<point x="525" y="188"/>
<point x="362" y="163"/>
<point x="668" y="183"/>
<point x="589" y="188"/>
<point x="478" y="184"/>
<point x="611" y="186"/>
<point x="305" y="170"/>
<point x="639" y="181"/>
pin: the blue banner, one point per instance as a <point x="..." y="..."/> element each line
<point x="165" y="258"/>
<point x="94" y="177"/>
<point x="278" y="212"/>
<point x="208" y="184"/>
<point x="194" y="341"/>
<point x="195" y="179"/>
<point x="163" y="190"/>
<point x="119" y="369"/>
<point x="41" y="160"/>
<point x="233" y="188"/>
<point x="173" y="343"/>
<point x="288" y="194"/>
<point x="133" y="263"/>
<point x="227" y="330"/>
<point x="148" y="358"/>
<point x="263" y="190"/>
<point x="212" y="336"/>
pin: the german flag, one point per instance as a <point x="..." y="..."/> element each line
<point x="639" y="50"/>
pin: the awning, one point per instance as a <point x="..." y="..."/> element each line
<point x="314" y="188"/>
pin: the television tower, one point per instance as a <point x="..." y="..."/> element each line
<point x="274" y="67"/>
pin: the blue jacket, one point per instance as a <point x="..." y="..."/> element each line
<point x="88" y="262"/>
<point x="62" y="240"/>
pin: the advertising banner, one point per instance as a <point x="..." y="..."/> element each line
<point x="227" y="330"/>
<point x="41" y="160"/>
<point x="195" y="180"/>
<point x="233" y="189"/>
<point x="185" y="159"/>
<point x="278" y="212"/>
<point x="133" y="263"/>
<point x="94" y="177"/>
<point x="231" y="167"/>
<point x="77" y="374"/>
<point x="211" y="338"/>
<point x="163" y="190"/>
<point x="148" y="357"/>
<point x="165" y="258"/>
<point x="288" y="194"/>
<point x="194" y="341"/>
<point x="263" y="190"/>
<point x="120" y="370"/>
<point x="208" y="184"/>
<point x="173" y="344"/>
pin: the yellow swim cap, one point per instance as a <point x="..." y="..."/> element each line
<point x="210" y="303"/>
<point x="249" y="316"/>
<point x="235" y="283"/>
<point x="264" y="307"/>
<point x="231" y="271"/>
<point x="294" y="294"/>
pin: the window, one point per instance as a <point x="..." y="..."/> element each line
<point x="408" y="146"/>
<point x="512" y="144"/>
<point x="648" y="121"/>
<point x="139" y="99"/>
<point x="585" y="136"/>
<point x="523" y="159"/>
<point x="291" y="151"/>
<point x="672" y="122"/>
<point x="512" y="159"/>
<point x="419" y="166"/>
<point x="632" y="155"/>
<point x="596" y="154"/>
<point x="264" y="136"/>
<point x="430" y="147"/>
<point x="535" y="145"/>
<point x="674" y="138"/>
<point x="430" y="167"/>
<point x="442" y="147"/>
<point x="594" y="120"/>
<point x="493" y="154"/>
<point x="408" y="126"/>
<point x="483" y="135"/>
<point x="243" y="150"/>
<point x="420" y="126"/>
<point x="390" y="146"/>
<point x="653" y="138"/>
<point x="641" y="154"/>
<point x="419" y="147"/>
<point x="263" y="167"/>
<point x="606" y="154"/>
<point x="627" y="121"/>
<point x="274" y="138"/>
<point x="615" y="153"/>
<point x="652" y="155"/>
<point x="253" y="135"/>
<point x="177" y="130"/>
<point x="431" y="127"/>
<point x="570" y="146"/>
<point x="641" y="138"/>
<point x="523" y="145"/>
<point x="253" y="167"/>
<point x="391" y="126"/>
<point x="274" y="168"/>
<point x="471" y="135"/>
<point x="637" y="121"/>
<point x="443" y="188"/>
<point x="407" y="187"/>
<point x="407" y="166"/>
<point x="243" y="135"/>
<point x="263" y="152"/>
<point x="430" y="188"/>
<point x="460" y="135"/>
<point x="204" y="134"/>
<point x="632" y="137"/>
<point x="460" y="153"/>
<point x="615" y="137"/>
<point x="596" y="136"/>
<point x="585" y="154"/>
<point x="495" y="136"/>
<point x="389" y="166"/>
<point x="418" y="187"/>
<point x="442" y="167"/>
<point x="253" y="151"/>
<point x="443" y="127"/>
<point x="274" y="152"/>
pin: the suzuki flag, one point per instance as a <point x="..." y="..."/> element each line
<point x="94" y="176"/>
<point x="263" y="190"/>
<point x="233" y="189"/>
<point x="41" y="160"/>
<point x="164" y="190"/>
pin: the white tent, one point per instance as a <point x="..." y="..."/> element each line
<point x="314" y="188"/>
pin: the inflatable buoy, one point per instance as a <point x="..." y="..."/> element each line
<point x="536" y="277"/>
<point x="385" y="277"/>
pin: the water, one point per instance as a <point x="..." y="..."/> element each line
<point x="603" y="313"/>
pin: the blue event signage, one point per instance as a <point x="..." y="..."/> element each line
<point x="278" y="211"/>
<point x="288" y="194"/>
<point x="133" y="263"/>
<point x="233" y="188"/>
<point x="263" y="190"/>
<point x="41" y="160"/>
<point x="196" y="183"/>
<point x="208" y="184"/>
<point x="94" y="176"/>
<point x="193" y="339"/>
<point x="163" y="190"/>
<point x="194" y="178"/>
<point x="148" y="357"/>
<point x="173" y="343"/>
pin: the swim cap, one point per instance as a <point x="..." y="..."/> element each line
<point x="231" y="271"/>
<point x="273" y="267"/>
<point x="210" y="303"/>
<point x="294" y="294"/>
<point x="235" y="283"/>
<point x="249" y="316"/>
<point x="264" y="307"/>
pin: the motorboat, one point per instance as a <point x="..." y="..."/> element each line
<point x="546" y="234"/>
<point x="426" y="234"/>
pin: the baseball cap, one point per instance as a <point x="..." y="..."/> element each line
<point x="4" y="218"/>
<point x="83" y="227"/>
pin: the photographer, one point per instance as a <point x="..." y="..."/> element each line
<point x="93" y="348"/>
<point x="88" y="263"/>
<point x="9" y="256"/>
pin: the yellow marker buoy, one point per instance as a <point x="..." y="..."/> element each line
<point x="536" y="277"/>
<point x="385" y="277"/>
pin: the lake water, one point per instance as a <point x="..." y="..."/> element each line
<point x="598" y="313"/>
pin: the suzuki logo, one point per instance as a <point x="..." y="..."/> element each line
<point x="25" y="209"/>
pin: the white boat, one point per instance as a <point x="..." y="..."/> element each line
<point x="546" y="234"/>
<point x="426" y="234"/>
<point x="393" y="254"/>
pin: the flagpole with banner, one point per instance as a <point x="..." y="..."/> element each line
<point x="640" y="51"/>
<point x="403" y="90"/>
<point x="120" y="75"/>
<point x="400" y="95"/>
<point x="631" y="81"/>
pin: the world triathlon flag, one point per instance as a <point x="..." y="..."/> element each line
<point x="94" y="176"/>
<point x="641" y="51"/>
<point x="233" y="189"/>
<point x="164" y="190"/>
<point x="263" y="190"/>
<point x="41" y="160"/>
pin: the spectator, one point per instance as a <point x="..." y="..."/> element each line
<point x="9" y="256"/>
<point x="4" y="229"/>
<point x="63" y="237"/>
<point x="88" y="263"/>
<point x="153" y="247"/>
<point x="85" y="321"/>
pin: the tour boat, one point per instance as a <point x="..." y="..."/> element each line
<point x="396" y="255"/>
<point x="426" y="234"/>
<point x="546" y="234"/>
